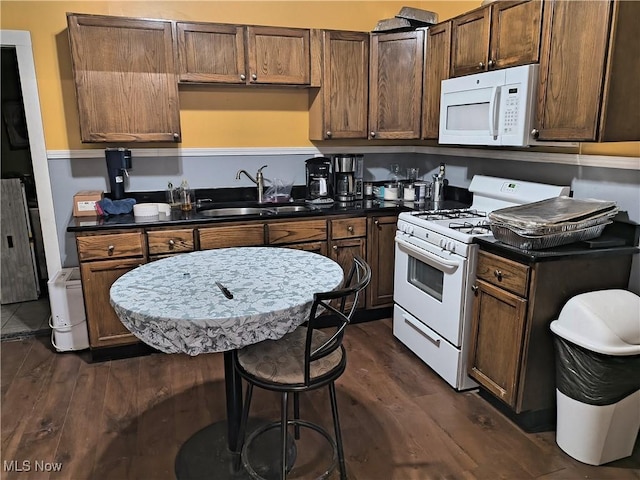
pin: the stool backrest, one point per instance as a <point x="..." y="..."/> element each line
<point x="342" y="303"/>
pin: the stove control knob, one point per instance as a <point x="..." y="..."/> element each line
<point x="410" y="229"/>
<point x="442" y="243"/>
<point x="451" y="246"/>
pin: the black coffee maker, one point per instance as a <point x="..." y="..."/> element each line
<point x="118" y="164"/>
<point x="319" y="180"/>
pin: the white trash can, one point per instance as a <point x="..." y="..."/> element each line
<point x="68" y="320"/>
<point x="597" y="342"/>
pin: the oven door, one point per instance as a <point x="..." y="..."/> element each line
<point x="430" y="284"/>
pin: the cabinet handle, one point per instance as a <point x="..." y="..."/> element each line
<point x="498" y="275"/>
<point x="491" y="63"/>
<point x="376" y="222"/>
<point x="350" y="229"/>
<point x="329" y="133"/>
<point x="243" y="76"/>
<point x="535" y="133"/>
<point x="481" y="64"/>
<point x="171" y="244"/>
<point x="373" y="134"/>
<point x="176" y="136"/>
<point x="474" y="289"/>
<point x="335" y="247"/>
<point x="254" y="76"/>
<point x="110" y="249"/>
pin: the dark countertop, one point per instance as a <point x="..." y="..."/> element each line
<point x="245" y="197"/>
<point x="618" y="238"/>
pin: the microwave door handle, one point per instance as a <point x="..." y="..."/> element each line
<point x="493" y="112"/>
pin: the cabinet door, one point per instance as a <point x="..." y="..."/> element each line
<point x="125" y="79"/>
<point x="316" y="247"/>
<point x="343" y="251"/>
<point x="278" y="55"/>
<point x="437" y="67"/>
<point x="105" y="328"/>
<point x="251" y="235"/>
<point x="395" y="85"/>
<point x="380" y="256"/>
<point x="296" y="231"/>
<point x="163" y="242"/>
<point x="211" y="53"/>
<point x="340" y="108"/>
<point x="496" y="340"/>
<point x="572" y="69"/>
<point x="470" y="42"/>
<point x="515" y="33"/>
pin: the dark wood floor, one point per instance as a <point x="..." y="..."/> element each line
<point x="126" y="419"/>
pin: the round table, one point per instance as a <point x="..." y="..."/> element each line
<point x="179" y="304"/>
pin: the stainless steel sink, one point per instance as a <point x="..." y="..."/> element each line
<point x="235" y="211"/>
<point x="290" y="209"/>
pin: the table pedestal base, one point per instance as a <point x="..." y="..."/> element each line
<point x="206" y="455"/>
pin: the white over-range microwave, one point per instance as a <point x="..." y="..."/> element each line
<point x="493" y="108"/>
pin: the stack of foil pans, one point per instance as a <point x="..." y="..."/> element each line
<point x="552" y="222"/>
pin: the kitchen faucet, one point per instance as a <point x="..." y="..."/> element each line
<point x="259" y="181"/>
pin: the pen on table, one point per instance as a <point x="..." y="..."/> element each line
<point x="224" y="290"/>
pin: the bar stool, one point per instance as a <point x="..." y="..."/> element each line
<point x="307" y="358"/>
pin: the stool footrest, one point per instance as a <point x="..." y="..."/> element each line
<point x="292" y="448"/>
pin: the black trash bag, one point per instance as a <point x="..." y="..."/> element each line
<point x="594" y="378"/>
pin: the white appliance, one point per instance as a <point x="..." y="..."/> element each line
<point x="435" y="271"/>
<point x="68" y="320"/>
<point x="492" y="108"/>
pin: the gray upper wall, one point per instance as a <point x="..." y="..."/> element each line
<point x="69" y="176"/>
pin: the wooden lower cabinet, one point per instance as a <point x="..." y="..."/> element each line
<point x="512" y="355"/>
<point x="316" y="247"/>
<point x="343" y="251"/>
<point x="251" y="235"/>
<point x="105" y="328"/>
<point x="381" y="233"/>
<point x="497" y="338"/>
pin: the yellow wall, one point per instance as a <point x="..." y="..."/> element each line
<point x="210" y="116"/>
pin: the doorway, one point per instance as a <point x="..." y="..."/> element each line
<point x="24" y="157"/>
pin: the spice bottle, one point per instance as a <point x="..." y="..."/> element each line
<point x="186" y="196"/>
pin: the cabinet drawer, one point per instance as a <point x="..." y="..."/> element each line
<point x="251" y="235"/>
<point x="170" y="241"/>
<point x="348" y="228"/>
<point x="118" y="245"/>
<point x="503" y="273"/>
<point x="294" y="232"/>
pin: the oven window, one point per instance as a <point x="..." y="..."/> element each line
<point x="426" y="278"/>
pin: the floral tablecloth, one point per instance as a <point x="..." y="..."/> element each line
<point x="175" y="306"/>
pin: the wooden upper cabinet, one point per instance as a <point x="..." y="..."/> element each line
<point x="225" y="53"/>
<point x="278" y="55"/>
<point x="503" y="34"/>
<point x="125" y="79"/>
<point x="515" y="33"/>
<point x="395" y="85"/>
<point x="437" y="68"/>
<point x="589" y="76"/>
<point x="339" y="109"/>
<point x="210" y="52"/>
<point x="470" y="42"/>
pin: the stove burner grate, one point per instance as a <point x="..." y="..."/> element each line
<point x="449" y="214"/>
<point x="479" y="228"/>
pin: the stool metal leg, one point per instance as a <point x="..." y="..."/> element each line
<point x="336" y="427"/>
<point x="296" y="414"/>
<point x="243" y="425"/>
<point x="283" y="426"/>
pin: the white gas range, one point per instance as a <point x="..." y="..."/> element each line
<point x="435" y="264"/>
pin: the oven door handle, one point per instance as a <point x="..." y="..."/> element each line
<point x="435" y="261"/>
<point x="420" y="328"/>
